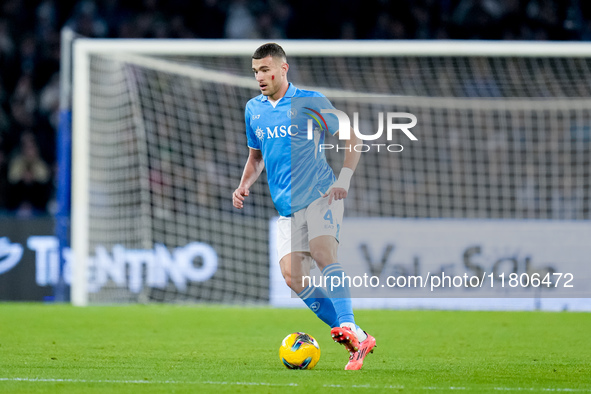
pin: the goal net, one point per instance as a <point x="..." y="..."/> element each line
<point x="159" y="146"/>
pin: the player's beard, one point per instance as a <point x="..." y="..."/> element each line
<point x="269" y="89"/>
<point x="272" y="87"/>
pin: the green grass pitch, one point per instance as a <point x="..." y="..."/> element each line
<point x="202" y="349"/>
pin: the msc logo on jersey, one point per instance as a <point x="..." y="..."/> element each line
<point x="259" y="133"/>
<point x="277" y="131"/>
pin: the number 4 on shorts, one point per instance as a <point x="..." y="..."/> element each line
<point x="328" y="216"/>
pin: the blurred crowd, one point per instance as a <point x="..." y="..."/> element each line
<point x="30" y="51"/>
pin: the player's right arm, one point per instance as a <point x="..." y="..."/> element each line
<point x="252" y="170"/>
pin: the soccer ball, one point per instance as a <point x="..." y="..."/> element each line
<point x="299" y="351"/>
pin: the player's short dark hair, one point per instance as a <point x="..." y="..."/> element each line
<point x="270" y="49"/>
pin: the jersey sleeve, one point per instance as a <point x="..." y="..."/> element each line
<point x="251" y="138"/>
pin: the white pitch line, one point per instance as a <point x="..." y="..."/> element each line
<point x="266" y="384"/>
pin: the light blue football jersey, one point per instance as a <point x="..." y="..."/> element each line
<point x="297" y="170"/>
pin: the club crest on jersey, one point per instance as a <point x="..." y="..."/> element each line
<point x="292" y="113"/>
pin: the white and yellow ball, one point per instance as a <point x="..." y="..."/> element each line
<point x="299" y="351"/>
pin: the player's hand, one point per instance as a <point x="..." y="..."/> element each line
<point x="238" y="197"/>
<point x="335" y="193"/>
<point x="339" y="189"/>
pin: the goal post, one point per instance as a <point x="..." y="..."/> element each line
<point x="159" y="145"/>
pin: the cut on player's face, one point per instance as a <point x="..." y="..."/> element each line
<point x="270" y="73"/>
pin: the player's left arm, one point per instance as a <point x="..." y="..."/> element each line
<point x="340" y="188"/>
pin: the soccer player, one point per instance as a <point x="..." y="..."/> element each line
<point x="305" y="191"/>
